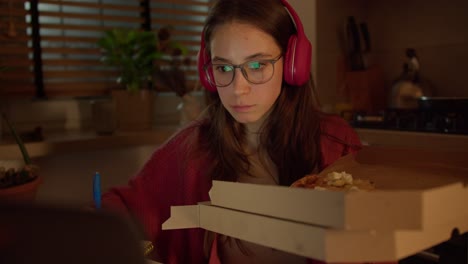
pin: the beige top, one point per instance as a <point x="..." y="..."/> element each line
<point x="229" y="251"/>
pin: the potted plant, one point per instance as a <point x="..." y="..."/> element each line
<point x="169" y="74"/>
<point x="132" y="53"/>
<point x="19" y="184"/>
<point x="143" y="58"/>
<point x="169" y="71"/>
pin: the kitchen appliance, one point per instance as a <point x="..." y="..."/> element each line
<point x="411" y="85"/>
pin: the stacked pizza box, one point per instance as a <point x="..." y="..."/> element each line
<point x="416" y="203"/>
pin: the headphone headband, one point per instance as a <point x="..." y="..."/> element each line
<point x="294" y="16"/>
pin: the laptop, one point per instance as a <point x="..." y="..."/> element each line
<point x="47" y="234"/>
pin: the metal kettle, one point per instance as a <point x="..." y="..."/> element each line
<point x="410" y="86"/>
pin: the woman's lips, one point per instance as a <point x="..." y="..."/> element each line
<point x="242" y="108"/>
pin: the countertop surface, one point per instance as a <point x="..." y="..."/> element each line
<point x="76" y="141"/>
<point x="394" y="138"/>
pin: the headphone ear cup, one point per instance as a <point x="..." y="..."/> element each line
<point x="203" y="59"/>
<point x="297" y="60"/>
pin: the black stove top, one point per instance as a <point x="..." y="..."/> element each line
<point x="417" y="120"/>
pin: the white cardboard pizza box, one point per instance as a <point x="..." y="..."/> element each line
<point x="418" y="201"/>
<point x="386" y="209"/>
<point x="326" y="244"/>
<point x="409" y="195"/>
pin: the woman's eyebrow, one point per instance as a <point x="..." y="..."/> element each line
<point x="220" y="59"/>
<point x="258" y="55"/>
<point x="250" y="57"/>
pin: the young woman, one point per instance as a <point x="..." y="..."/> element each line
<point x="262" y="125"/>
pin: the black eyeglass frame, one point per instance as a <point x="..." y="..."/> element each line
<point x="241" y="67"/>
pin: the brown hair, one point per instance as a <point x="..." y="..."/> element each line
<point x="290" y="135"/>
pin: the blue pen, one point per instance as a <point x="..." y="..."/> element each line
<point x="97" y="190"/>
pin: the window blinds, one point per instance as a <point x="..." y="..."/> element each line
<point x="16" y="74"/>
<point x="68" y="31"/>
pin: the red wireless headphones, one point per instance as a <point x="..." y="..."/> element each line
<point x="297" y="59"/>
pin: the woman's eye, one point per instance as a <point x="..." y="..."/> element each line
<point x="224" y="68"/>
<point x="255" y="65"/>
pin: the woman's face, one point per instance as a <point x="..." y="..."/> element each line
<point x="237" y="43"/>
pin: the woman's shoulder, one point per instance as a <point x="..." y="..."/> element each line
<point x="179" y="148"/>
<point x="185" y="133"/>
<point x="333" y="123"/>
<point x="337" y="138"/>
<point x="336" y="129"/>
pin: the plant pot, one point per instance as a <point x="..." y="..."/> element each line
<point x="104" y="116"/>
<point x="134" y="110"/>
<point x="24" y="193"/>
<point x="190" y="109"/>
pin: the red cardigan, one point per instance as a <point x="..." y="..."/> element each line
<point x="168" y="179"/>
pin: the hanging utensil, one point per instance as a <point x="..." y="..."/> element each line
<point x="354" y="44"/>
<point x="366" y="49"/>
<point x="11" y="25"/>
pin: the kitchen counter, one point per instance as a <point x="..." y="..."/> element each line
<point x="381" y="137"/>
<point x="78" y="141"/>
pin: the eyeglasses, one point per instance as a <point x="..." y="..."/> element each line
<point x="255" y="72"/>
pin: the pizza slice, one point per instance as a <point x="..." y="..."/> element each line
<point x="335" y="181"/>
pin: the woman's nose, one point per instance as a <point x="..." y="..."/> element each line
<point x="240" y="83"/>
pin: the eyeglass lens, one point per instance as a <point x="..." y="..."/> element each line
<point x="256" y="72"/>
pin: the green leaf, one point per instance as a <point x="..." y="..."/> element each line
<point x="131" y="52"/>
<point x="24" y="152"/>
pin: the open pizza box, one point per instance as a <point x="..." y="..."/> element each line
<point x="419" y="199"/>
